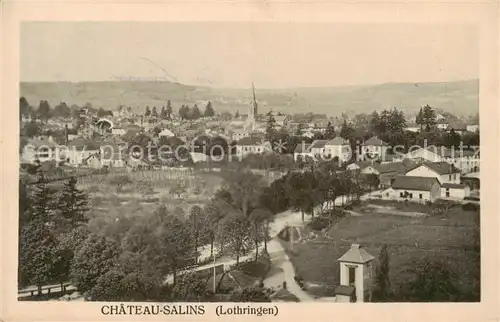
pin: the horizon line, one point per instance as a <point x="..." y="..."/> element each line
<point x="145" y="80"/>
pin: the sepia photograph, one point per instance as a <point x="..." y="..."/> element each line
<point x="249" y="162"/>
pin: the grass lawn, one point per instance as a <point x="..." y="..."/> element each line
<point x="451" y="238"/>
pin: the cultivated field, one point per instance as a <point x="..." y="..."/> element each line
<point x="452" y="238"/>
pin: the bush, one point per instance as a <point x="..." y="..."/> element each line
<point x="470" y="207"/>
<point x="319" y="223"/>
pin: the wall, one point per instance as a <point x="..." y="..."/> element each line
<point x="359" y="279"/>
<point x="456" y="194"/>
<point x="426" y="195"/>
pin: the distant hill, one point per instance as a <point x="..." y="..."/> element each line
<point x="459" y="98"/>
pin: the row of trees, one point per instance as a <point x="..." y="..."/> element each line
<point x="118" y="258"/>
<point x="185" y="112"/>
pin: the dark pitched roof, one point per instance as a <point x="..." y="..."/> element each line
<point x="398" y="167"/>
<point x="302" y="148"/>
<point x="453" y="186"/>
<point x="250" y="141"/>
<point x="442" y="167"/>
<point x="338" y="141"/>
<point x="414" y="183"/>
<point x="318" y="144"/>
<point x="374" y="140"/>
<point x="356" y="254"/>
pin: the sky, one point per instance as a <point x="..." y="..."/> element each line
<point x="235" y="54"/>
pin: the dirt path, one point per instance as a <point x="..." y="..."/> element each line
<point x="282" y="270"/>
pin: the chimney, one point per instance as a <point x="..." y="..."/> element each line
<point x="66" y="134"/>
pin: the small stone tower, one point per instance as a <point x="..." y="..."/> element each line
<point x="355" y="276"/>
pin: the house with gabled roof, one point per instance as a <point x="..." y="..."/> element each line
<point x="79" y="150"/>
<point x="443" y="171"/>
<point x="464" y="159"/>
<point x="374" y="148"/>
<point x="448" y="176"/>
<point x="340" y="148"/>
<point x="412" y="188"/>
<point x="302" y="150"/>
<point x="252" y="145"/>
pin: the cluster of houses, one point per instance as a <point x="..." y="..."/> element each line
<point x="421" y="175"/>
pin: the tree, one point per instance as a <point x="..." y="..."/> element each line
<point x="260" y="219"/>
<point x="197" y="222"/>
<point x="154" y="113"/>
<point x="235" y="236"/>
<point x="103" y="113"/>
<point x="109" y="287"/>
<point x="120" y="181"/>
<point x="271" y="128"/>
<point x="44" y="110"/>
<point x="382" y="277"/>
<point x="433" y="282"/>
<point x="215" y="211"/>
<point x="428" y="117"/>
<point x="175" y="243"/>
<point x="68" y="243"/>
<point x="195" y="112"/>
<point x="73" y="204"/>
<point x="250" y="294"/>
<point x="245" y="188"/>
<point x="184" y="112"/>
<point x="147" y="112"/>
<point x="96" y="256"/>
<point x="397" y="122"/>
<point x="32" y="129"/>
<point x="179" y="188"/>
<point x="163" y="113"/>
<point x="330" y="131"/>
<point x="372" y="181"/>
<point x="209" y="110"/>
<point x="375" y="122"/>
<point x="169" y="110"/>
<point x="189" y="288"/>
<point x="37" y="253"/>
<point x="24" y="107"/>
<point x="419" y="118"/>
<point x="62" y="110"/>
<point x="347" y="131"/>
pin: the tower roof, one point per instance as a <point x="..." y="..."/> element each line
<point x="356" y="255"/>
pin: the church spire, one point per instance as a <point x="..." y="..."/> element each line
<point x="255" y="111"/>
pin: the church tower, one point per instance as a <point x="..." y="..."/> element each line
<point x="255" y="108"/>
<point x="356" y="276"/>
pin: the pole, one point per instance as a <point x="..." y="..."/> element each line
<point x="213" y="255"/>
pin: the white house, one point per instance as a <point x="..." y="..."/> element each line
<point x="302" y="150"/>
<point x="166" y="133"/>
<point x="415" y="128"/>
<point x="317" y="148"/>
<point x="247" y="146"/>
<point x="454" y="191"/>
<point x="473" y="128"/>
<point x="374" y="148"/>
<point x="417" y="189"/>
<point x="442" y="125"/>
<point x="340" y="148"/>
<point x="465" y="160"/>
<point x="80" y="150"/>
<point x="118" y="131"/>
<point x="443" y="171"/>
